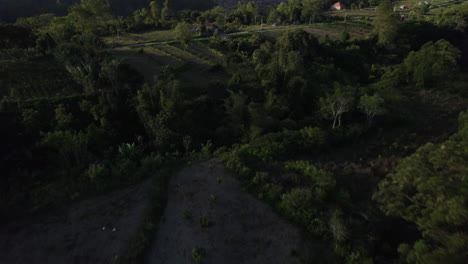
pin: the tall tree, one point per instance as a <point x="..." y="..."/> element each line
<point x="183" y="33"/>
<point x="371" y="105"/>
<point x="167" y="11"/>
<point x="386" y="23"/>
<point x="335" y="105"/>
<point x="311" y="10"/>
<point x="155" y="12"/>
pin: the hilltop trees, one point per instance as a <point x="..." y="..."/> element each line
<point x="311" y="10"/>
<point x="306" y="11"/>
<point x="245" y="13"/>
<point x="90" y="16"/>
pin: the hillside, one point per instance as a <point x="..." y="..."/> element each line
<point x="13" y="9"/>
<point x="10" y="10"/>
<point x="311" y="136"/>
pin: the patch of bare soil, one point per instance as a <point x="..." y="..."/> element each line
<point x="91" y="231"/>
<point x="208" y="210"/>
<point x="321" y="33"/>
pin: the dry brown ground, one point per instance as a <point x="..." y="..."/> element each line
<point x="75" y="234"/>
<point x="243" y="230"/>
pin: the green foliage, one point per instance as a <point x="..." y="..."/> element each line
<point x="321" y="181"/>
<point x="63" y="119"/>
<point x="455" y="18"/>
<point x="205" y="222"/>
<point x="198" y="254"/>
<point x="90" y="16"/>
<point x="338" y="228"/>
<point x="69" y="148"/>
<point x="386" y="23"/>
<point x="96" y="172"/>
<point x="312" y="138"/>
<point x="183" y="33"/>
<point x="335" y="105"/>
<point x="167" y="12"/>
<point x="371" y="105"/>
<point x="298" y="205"/>
<point x="433" y="64"/>
<point x="156" y="13"/>
<point x="429" y="189"/>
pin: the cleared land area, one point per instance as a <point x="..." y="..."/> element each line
<point x="92" y="231"/>
<point x="209" y="215"/>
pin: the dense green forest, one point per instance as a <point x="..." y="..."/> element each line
<point x="362" y="142"/>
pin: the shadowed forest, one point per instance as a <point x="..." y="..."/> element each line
<point x="176" y="131"/>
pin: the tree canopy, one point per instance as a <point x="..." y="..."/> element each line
<point x="429" y="188"/>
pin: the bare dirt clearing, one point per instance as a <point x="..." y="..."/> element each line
<point x="208" y="210"/>
<point x="76" y="234"/>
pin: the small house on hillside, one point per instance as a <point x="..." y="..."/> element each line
<point x="208" y="26"/>
<point x="424" y="3"/>
<point x="337" y="6"/>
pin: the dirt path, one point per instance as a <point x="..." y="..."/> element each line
<point x="239" y="228"/>
<point x="75" y="234"/>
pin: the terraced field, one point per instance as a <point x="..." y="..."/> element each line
<point x="333" y="30"/>
<point x="353" y="14"/>
<point x="149" y="60"/>
<point x="132" y="38"/>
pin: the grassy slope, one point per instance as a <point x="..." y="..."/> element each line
<point x="39" y="77"/>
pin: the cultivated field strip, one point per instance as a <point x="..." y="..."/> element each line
<point x="204" y="52"/>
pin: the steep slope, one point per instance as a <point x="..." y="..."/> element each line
<point x="209" y="217"/>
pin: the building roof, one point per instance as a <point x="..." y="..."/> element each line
<point x="338" y="4"/>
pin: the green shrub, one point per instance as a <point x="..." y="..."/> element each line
<point x="298" y="205"/>
<point x="320" y="180"/>
<point x="187" y="216"/>
<point x="149" y="165"/>
<point x="129" y="151"/>
<point x="198" y="254"/>
<point x="260" y="178"/>
<point x="95" y="172"/>
<point x="207" y="148"/>
<point x="311" y="139"/>
<point x="270" y="193"/>
<point x="205" y="222"/>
